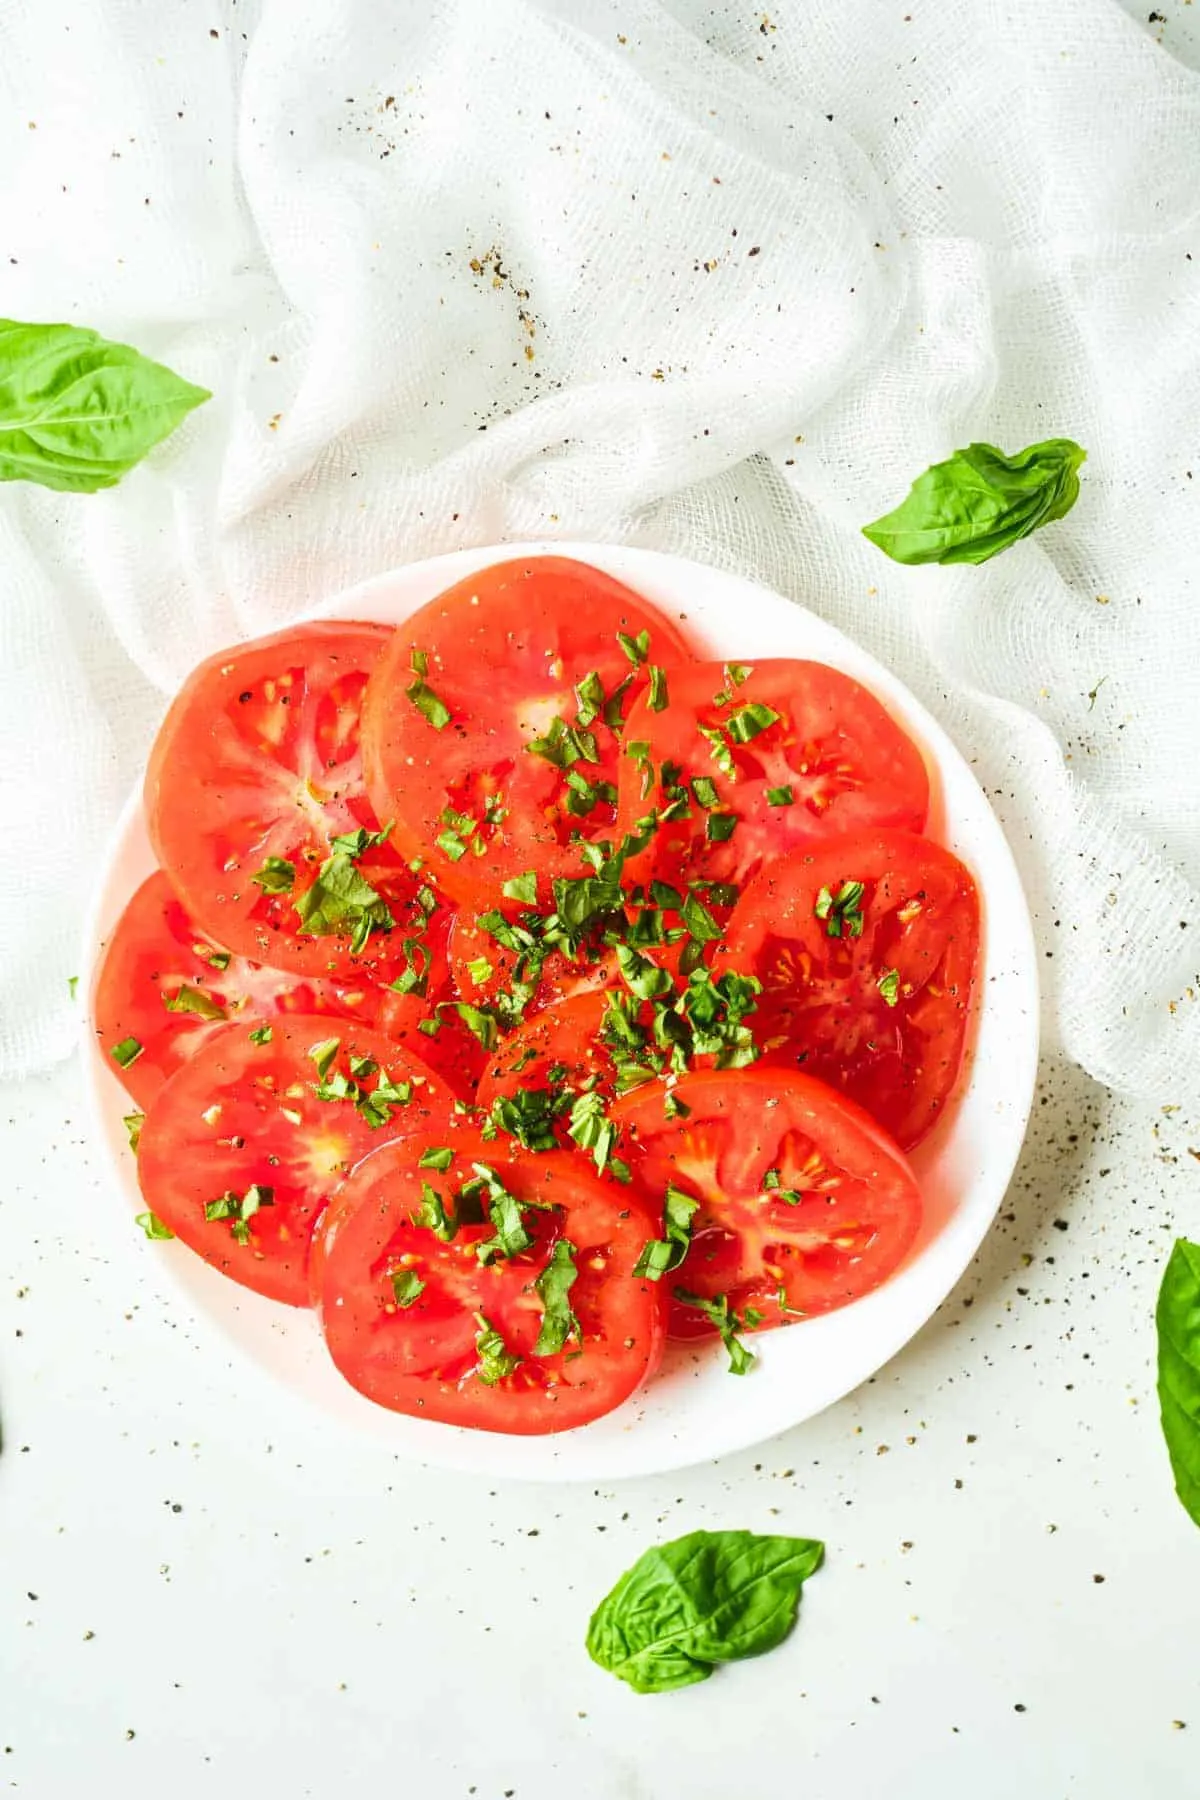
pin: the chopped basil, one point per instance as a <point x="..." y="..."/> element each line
<point x="661" y="1255"/>
<point x="592" y="1129"/>
<point x="262" y="1034"/>
<point x="553" y="1286"/>
<point x="239" y="1209"/>
<point x="705" y="792"/>
<point x="323" y="1055"/>
<point x="589" y="698"/>
<point x="153" y="1226"/>
<point x="719" y="1314"/>
<point x="505" y="1215"/>
<point x="781" y="796"/>
<point x="479" y="1023"/>
<point x="529" y="1115"/>
<point x="480" y="970"/>
<point x="495" y="1359"/>
<point x="720" y="827"/>
<point x="356" y="843"/>
<point x="414" y="978"/>
<point x="277" y="876"/>
<point x="674" y="1107"/>
<point x="842" y="912"/>
<point x="73" y="987"/>
<point x="752" y="719"/>
<point x="427" y="703"/>
<point x="736" y="673"/>
<point x="522" y="888"/>
<point x="699" y="921"/>
<point x="658" y="699"/>
<point x="407" y="1286"/>
<point x="126" y="1052"/>
<point x="612" y="706"/>
<point x="636" y="649"/>
<point x="133" y="1123"/>
<point x="450" y="842"/>
<point x="585" y="795"/>
<point x="433" y="1215"/>
<point x="641" y="976"/>
<point x="889" y="986"/>
<point x="194" y="1000"/>
<point x="438" y="1157"/>
<point x="341" y="899"/>
<point x="771" y="1179"/>
<point x="719" y="750"/>
<point x="564" y="745"/>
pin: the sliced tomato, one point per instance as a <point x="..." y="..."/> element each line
<point x="803" y="1203"/>
<point x="876" y="1003"/>
<point x="747" y="762"/>
<point x="239" y="1151"/>
<point x="439" y="1330"/>
<point x="165" y="988"/>
<point x="255" y="772"/>
<point x="472" y="683"/>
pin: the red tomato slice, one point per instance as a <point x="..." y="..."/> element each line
<point x="165" y="988"/>
<point x="404" y="1313"/>
<point x="241" y="1121"/>
<point x="804" y="1203"/>
<point x="882" y="1016"/>
<point x="785" y="729"/>
<point x="257" y="769"/>
<point x="448" y="752"/>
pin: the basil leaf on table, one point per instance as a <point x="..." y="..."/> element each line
<point x="76" y="411"/>
<point x="703" y="1599"/>
<point x="979" y="501"/>
<point x="1178" y="1319"/>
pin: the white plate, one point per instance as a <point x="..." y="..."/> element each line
<point x="693" y="1410"/>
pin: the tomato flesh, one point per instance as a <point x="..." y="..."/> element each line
<point x="503" y="652"/>
<point x="804" y="1203"/>
<point x="240" y="1116"/>
<point x="423" y="1357"/>
<point x="258" y="766"/>
<point x="881" y="1015"/>
<point x="799" y="729"/>
<point x="159" y="962"/>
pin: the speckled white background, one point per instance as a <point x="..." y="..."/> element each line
<point x="203" y="1594"/>
<point x="206" y="1593"/>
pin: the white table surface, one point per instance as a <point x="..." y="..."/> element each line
<point x="206" y="1593"/>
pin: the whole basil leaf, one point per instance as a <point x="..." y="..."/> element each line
<point x="77" y="412"/>
<point x="1178" y="1319"/>
<point x="979" y="501"/>
<point x="703" y="1599"/>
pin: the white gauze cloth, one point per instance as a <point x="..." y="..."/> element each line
<point x="707" y="278"/>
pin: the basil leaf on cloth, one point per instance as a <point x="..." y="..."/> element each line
<point x="979" y="501"/>
<point x="78" y="412"/>
<point x="703" y="1599"/>
<point x="1178" y="1319"/>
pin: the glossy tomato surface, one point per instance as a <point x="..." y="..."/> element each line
<point x="803" y="1203"/>
<point x="490" y="727"/>
<point x="874" y="998"/>
<point x="255" y="772"/>
<point x="165" y="988"/>
<point x="749" y="760"/>
<point x="242" y="1147"/>
<point x="439" y="1325"/>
